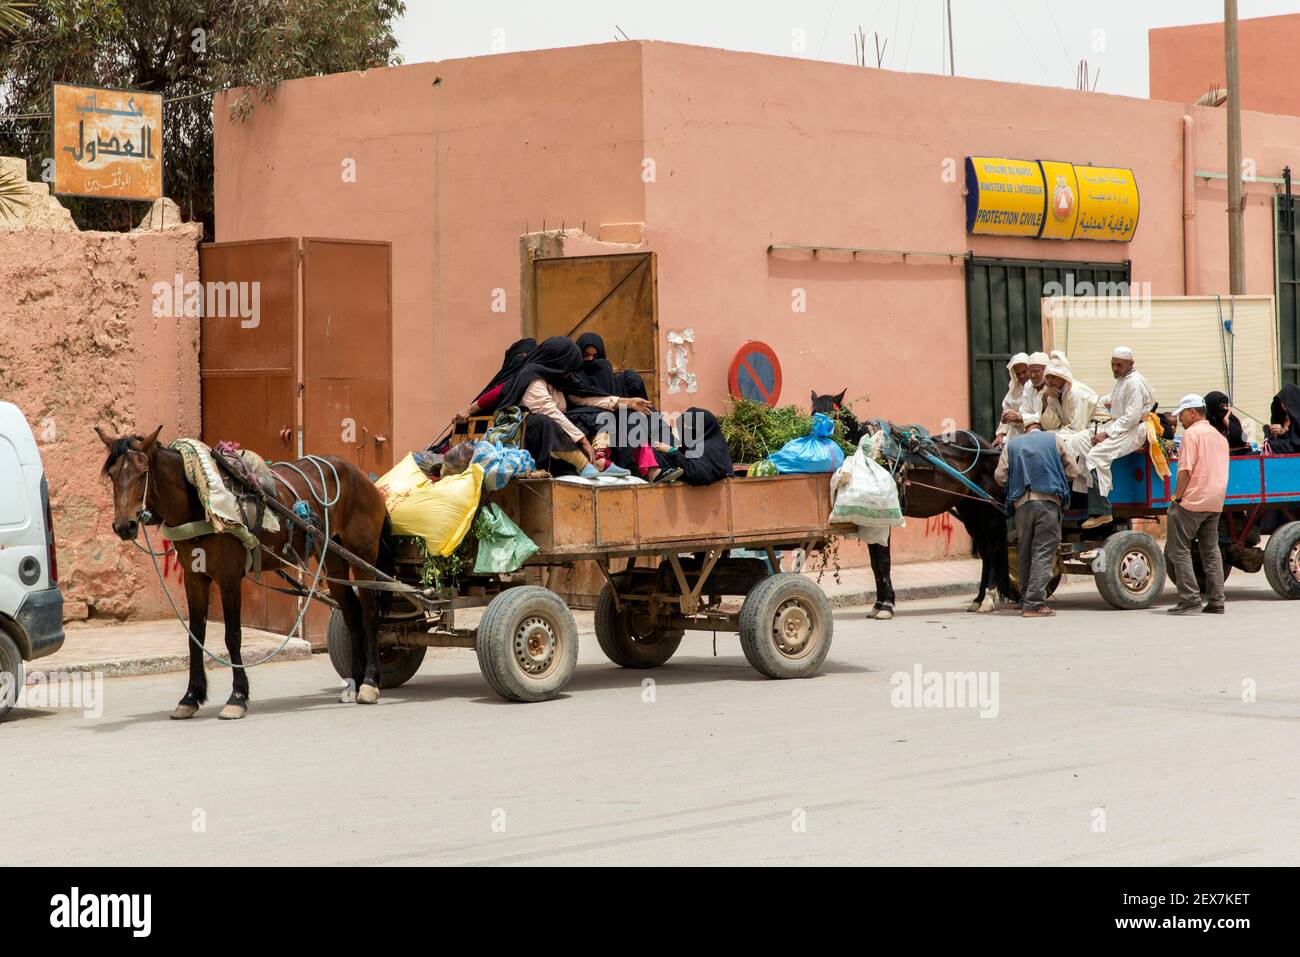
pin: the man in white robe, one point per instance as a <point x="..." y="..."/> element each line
<point x="1130" y="401"/>
<point x="1009" y="426"/>
<point x="1068" y="408"/>
<point x="1031" y="398"/>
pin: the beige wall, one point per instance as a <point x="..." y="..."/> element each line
<point x="80" y="347"/>
<point x="747" y="150"/>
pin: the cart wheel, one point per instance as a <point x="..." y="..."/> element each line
<point x="627" y="639"/>
<point x="527" y="644"/>
<point x="1282" y="560"/>
<point x="786" y="626"/>
<point x="11" y="673"/>
<point x="1133" y="571"/>
<point x="1197" y="567"/>
<point x="1013" y="576"/>
<point x="396" y="665"/>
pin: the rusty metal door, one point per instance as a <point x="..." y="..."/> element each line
<point x="249" y="373"/>
<point x="248" y="365"/>
<point x="614" y="296"/>
<point x="322" y="332"/>
<point x="347" y="352"/>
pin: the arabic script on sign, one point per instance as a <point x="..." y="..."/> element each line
<point x="107" y="143"/>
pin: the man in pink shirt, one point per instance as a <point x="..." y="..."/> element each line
<point x="1194" y="512"/>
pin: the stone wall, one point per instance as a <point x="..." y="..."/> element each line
<point x="80" y="347"/>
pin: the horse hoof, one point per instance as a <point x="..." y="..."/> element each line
<point x="233" y="712"/>
<point x="974" y="606"/>
<point x="874" y="613"/>
<point x="885" y="615"/>
<point x="368" y="694"/>
<point x="184" y="712"/>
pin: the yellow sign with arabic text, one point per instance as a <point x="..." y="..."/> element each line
<point x="1108" y="203"/>
<point x="1062" y="200"/>
<point x="107" y="143"/>
<point x="1004" y="196"/>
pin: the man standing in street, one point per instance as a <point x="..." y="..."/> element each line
<point x="1195" y="509"/>
<point x="1036" y="470"/>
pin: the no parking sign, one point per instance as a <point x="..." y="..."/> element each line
<point x="755" y="374"/>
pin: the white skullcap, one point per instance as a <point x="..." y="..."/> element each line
<point x="1039" y="359"/>
<point x="1059" y="369"/>
<point x="1122" y="352"/>
<point x="1019" y="359"/>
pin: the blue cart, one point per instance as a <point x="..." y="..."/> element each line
<point x="1260" y="529"/>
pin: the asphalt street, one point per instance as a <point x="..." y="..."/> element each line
<point x="1108" y="738"/>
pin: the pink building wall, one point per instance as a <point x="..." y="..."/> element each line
<point x="747" y="150"/>
<point x="1185" y="61"/>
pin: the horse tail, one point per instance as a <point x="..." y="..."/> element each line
<point x="387" y="560"/>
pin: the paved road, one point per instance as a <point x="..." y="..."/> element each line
<point x="1120" y="738"/>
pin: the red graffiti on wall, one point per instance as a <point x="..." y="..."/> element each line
<point x="940" y="525"/>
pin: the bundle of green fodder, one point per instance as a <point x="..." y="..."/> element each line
<point x="754" y="431"/>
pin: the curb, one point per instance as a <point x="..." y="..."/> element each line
<point x="867" y="596"/>
<point x="296" y="650"/>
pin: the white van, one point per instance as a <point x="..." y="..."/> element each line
<point x="31" y="605"/>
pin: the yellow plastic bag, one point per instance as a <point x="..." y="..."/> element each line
<point x="439" y="512"/>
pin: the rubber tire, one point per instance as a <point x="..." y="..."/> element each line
<point x="620" y="646"/>
<point x="496" y="630"/>
<point x="11" y="663"/>
<point x="397" y="666"/>
<point x="1199" y="569"/>
<point x="1276" y="554"/>
<point x="1108" y="584"/>
<point x="758" y="614"/>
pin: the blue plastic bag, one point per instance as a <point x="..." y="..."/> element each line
<point x="500" y="463"/>
<point x="816" y="452"/>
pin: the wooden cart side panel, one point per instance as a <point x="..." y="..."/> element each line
<point x="784" y="504"/>
<point x="668" y="513"/>
<point x="616" y="516"/>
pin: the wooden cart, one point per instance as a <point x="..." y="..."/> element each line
<point x="665" y="552"/>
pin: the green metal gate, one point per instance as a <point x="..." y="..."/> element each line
<point x="1288" y="289"/>
<point x="1004" y="316"/>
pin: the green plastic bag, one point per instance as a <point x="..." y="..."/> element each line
<point x="502" y="546"/>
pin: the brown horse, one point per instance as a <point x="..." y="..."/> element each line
<point x="928" y="491"/>
<point x="149" y="485"/>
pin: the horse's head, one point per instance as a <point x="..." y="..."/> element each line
<point x="126" y="468"/>
<point x="828" y="404"/>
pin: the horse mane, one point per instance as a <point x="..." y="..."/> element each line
<point x="119" y="448"/>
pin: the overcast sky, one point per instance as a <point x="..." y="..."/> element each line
<point x="1024" y="41"/>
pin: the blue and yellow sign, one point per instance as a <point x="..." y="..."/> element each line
<point x="1108" y="204"/>
<point x="1047" y="199"/>
<point x="1062" y="187"/>
<point x="1004" y="196"/>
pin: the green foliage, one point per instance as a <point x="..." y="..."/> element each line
<point x="443" y="572"/>
<point x="180" y="48"/>
<point x="754" y="431"/>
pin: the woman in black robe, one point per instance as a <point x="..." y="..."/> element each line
<point x="1218" y="409"/>
<point x="700" y="451"/>
<point x="488" y="398"/>
<point x="1284" y="427"/>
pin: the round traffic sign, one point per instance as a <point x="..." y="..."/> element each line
<point x="755" y="374"/>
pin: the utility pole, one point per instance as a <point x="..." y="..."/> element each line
<point x="1236" y="245"/>
<point x="952" y="70"/>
